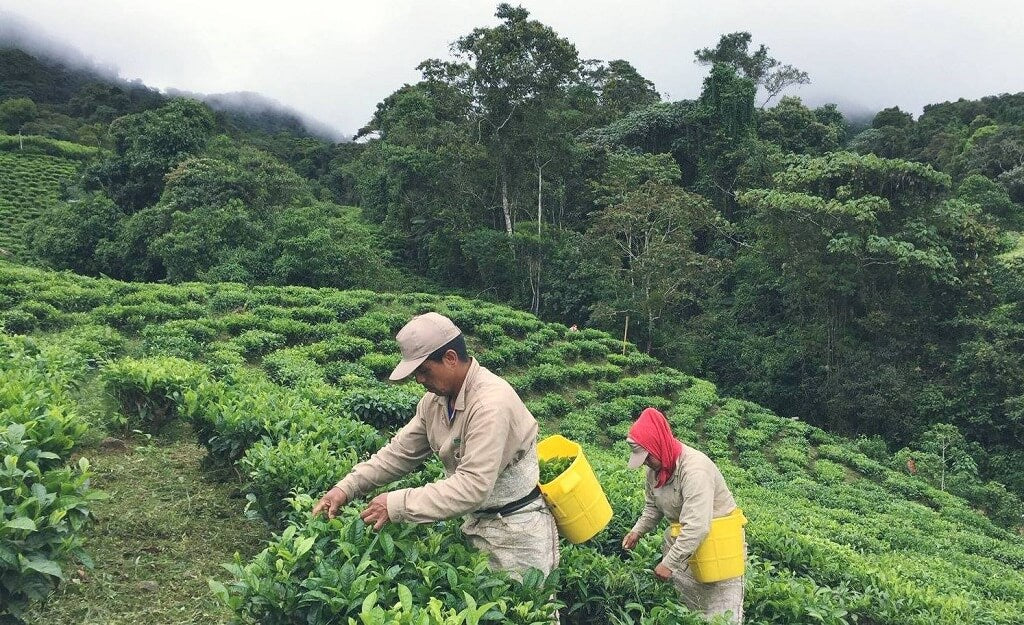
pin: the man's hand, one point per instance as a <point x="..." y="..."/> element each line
<point x="376" y="514"/>
<point x="331" y="502"/>
<point x="662" y="572"/>
<point x="630" y="540"/>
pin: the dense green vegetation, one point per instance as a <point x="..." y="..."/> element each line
<point x="29" y="184"/>
<point x="866" y="281"/>
<point x="283" y="383"/>
<point x="861" y="279"/>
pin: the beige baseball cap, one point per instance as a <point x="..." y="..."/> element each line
<point x="422" y="336"/>
<point x="638" y="456"/>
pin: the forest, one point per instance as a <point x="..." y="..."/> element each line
<point x="862" y="278"/>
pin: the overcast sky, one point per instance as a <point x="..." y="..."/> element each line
<point x="334" y="61"/>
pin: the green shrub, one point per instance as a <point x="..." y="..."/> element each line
<point x="381" y="364"/>
<point x="167" y="340"/>
<point x="229" y="298"/>
<point x="46" y="313"/>
<point x="148" y="390"/>
<point x="277" y="471"/>
<point x="238" y="322"/>
<point x="383" y="407"/>
<point x="403" y="574"/>
<point x="581" y="426"/>
<point x="545" y="377"/>
<point x="339" y="347"/>
<point x="829" y="472"/>
<point x="349" y="374"/>
<point x="44" y="515"/>
<point x="256" y="343"/>
<point x="346" y="305"/>
<point x="96" y="344"/>
<point x="790" y="458"/>
<point x="44" y="504"/>
<point x="749" y="438"/>
<point x="292" y="367"/>
<point x="591" y="349"/>
<point x="489" y="333"/>
<point x="312" y="314"/>
<point x="18" y="321"/>
<point x="376" y="326"/>
<point x="292" y="329"/>
<point x="549" y="408"/>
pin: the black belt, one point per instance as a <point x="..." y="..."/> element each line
<point x="514" y="505"/>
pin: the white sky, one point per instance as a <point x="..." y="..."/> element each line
<point x="334" y="61"/>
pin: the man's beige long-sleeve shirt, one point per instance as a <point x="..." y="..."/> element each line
<point x="695" y="494"/>
<point x="490" y="433"/>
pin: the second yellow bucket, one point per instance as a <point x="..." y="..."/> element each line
<point x="575" y="497"/>
<point x="722" y="554"/>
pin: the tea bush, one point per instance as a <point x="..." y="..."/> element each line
<point x="380" y="364"/>
<point x="148" y="390"/>
<point x="319" y="571"/>
<point x="256" y="343"/>
<point x="339" y="348"/>
<point x="44" y="502"/>
<point x="383" y="407"/>
<point x="300" y="464"/>
<point x="292" y="367"/>
<point x="836" y="535"/>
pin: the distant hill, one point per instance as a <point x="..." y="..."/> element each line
<point x="249" y="111"/>
<point x="74" y="88"/>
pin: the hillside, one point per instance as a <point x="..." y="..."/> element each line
<point x="32" y="171"/>
<point x="277" y="382"/>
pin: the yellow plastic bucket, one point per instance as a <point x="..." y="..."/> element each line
<point x="721" y="555"/>
<point x="575" y="497"/>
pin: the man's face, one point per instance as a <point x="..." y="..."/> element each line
<point x="434" y="376"/>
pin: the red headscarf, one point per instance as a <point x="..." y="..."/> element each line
<point x="652" y="432"/>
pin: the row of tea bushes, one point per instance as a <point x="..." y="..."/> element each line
<point x="44" y="500"/>
<point x="836" y="534"/>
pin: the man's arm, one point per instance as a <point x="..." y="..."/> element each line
<point x="405" y="452"/>
<point x="465" y="490"/>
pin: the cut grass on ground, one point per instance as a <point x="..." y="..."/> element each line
<point x="167" y="527"/>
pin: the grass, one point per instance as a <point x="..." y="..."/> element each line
<point x="166" y="528"/>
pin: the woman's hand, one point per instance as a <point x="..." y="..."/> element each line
<point x="662" y="572"/>
<point x="630" y="540"/>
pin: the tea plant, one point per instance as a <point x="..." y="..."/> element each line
<point x="553" y="467"/>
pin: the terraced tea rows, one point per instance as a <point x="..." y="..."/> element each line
<point x="284" y="384"/>
<point x="28" y="184"/>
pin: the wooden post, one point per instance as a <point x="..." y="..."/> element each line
<point x="625" y="333"/>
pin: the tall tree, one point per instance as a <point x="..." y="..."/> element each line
<point x="866" y="267"/>
<point x="15" y="113"/>
<point x="645" y="235"/>
<point x="517" y="74"/>
<point x="620" y="88"/>
<point x="767" y="72"/>
<point x="146" y="147"/>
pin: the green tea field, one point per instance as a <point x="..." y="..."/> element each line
<point x="281" y="389"/>
<point x="30" y="181"/>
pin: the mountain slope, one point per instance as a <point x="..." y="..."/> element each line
<point x="832" y="530"/>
